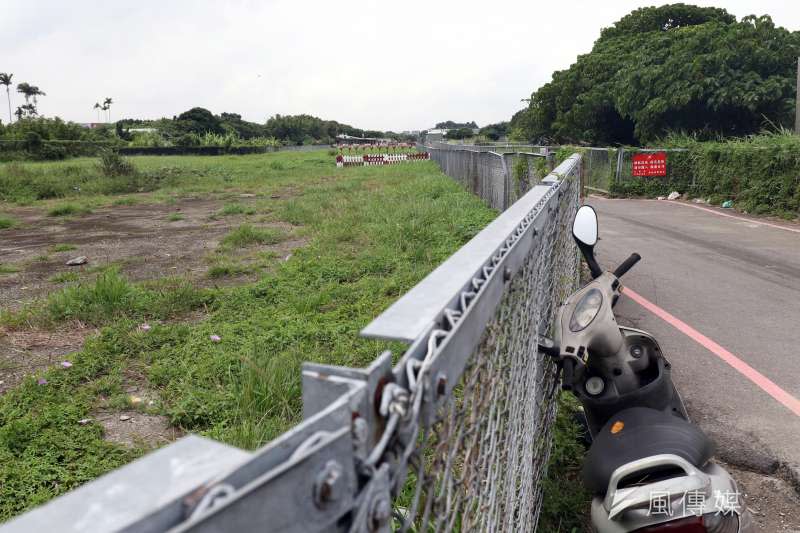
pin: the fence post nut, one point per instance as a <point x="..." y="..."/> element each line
<point x="327" y="486"/>
<point x="360" y="430"/>
<point x="441" y="385"/>
<point x="380" y="513"/>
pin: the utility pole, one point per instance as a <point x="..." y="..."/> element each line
<point x="797" y="102"/>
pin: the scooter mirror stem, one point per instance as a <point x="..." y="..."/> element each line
<point x="549" y="347"/>
<point x="588" y="255"/>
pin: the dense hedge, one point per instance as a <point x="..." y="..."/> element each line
<point x="760" y="174"/>
<point x="24" y="150"/>
<point x="35" y="148"/>
<point x="195" y="150"/>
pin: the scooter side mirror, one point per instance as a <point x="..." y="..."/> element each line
<point x="584" y="227"/>
<point x="584" y="231"/>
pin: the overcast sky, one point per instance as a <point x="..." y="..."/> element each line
<point x="376" y="65"/>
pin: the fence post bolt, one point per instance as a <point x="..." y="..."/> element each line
<point x="360" y="430"/>
<point x="441" y="385"/>
<point x="327" y="484"/>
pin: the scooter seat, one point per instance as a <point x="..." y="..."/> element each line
<point x="637" y="433"/>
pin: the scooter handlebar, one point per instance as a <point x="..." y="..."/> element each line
<point x="627" y="265"/>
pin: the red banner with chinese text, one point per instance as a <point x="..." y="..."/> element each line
<point x="651" y="164"/>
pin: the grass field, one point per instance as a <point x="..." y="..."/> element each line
<point x="215" y="348"/>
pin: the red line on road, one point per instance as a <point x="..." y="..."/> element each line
<point x="762" y="381"/>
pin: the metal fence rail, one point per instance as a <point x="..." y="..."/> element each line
<point x="455" y="436"/>
<point x="489" y="147"/>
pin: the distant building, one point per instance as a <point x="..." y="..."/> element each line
<point x="351" y="139"/>
<point x="92" y="125"/>
<point x="436" y="135"/>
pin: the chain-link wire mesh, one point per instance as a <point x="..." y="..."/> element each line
<point x="599" y="168"/>
<point x="498" y="178"/>
<point x="524" y="170"/>
<point x="679" y="173"/>
<point x="482" y="173"/>
<point x="676" y="171"/>
<point x="480" y="467"/>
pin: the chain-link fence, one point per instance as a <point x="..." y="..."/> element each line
<point x="489" y="147"/>
<point x="610" y="170"/>
<point x="454" y="436"/>
<point x="500" y="178"/>
<point x="480" y="466"/>
<point x="599" y="168"/>
<point x="679" y="174"/>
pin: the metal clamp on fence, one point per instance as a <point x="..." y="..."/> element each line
<point x="455" y="436"/>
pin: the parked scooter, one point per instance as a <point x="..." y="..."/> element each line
<point x="648" y="467"/>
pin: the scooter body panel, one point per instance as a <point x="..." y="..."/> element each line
<point x="638" y="375"/>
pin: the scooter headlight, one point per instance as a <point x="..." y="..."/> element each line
<point x="586" y="310"/>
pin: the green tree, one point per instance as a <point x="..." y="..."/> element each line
<point x="460" y="133"/>
<point x="670" y="68"/>
<point x="450" y="125"/>
<point x="232" y="122"/>
<point x="493" y="132"/>
<point x="30" y="92"/>
<point x="198" y="120"/>
<point x="107" y="107"/>
<point x="298" y="129"/>
<point x="5" y="79"/>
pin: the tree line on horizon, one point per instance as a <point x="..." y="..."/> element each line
<point x="185" y="129"/>
<point x="190" y="128"/>
<point x="289" y="129"/>
<point x="677" y="68"/>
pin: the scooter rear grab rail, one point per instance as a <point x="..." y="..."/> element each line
<point x="617" y="501"/>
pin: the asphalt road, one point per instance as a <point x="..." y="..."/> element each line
<point x="736" y="281"/>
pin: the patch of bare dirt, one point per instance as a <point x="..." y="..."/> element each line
<point x="24" y="352"/>
<point x="132" y="428"/>
<point x="135" y="426"/>
<point x="773" y="502"/>
<point x="140" y="238"/>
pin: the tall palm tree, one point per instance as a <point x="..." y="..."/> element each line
<point x="5" y="79"/>
<point x="36" y="93"/>
<point x="30" y="91"/>
<point x="107" y="106"/>
<point x="98" y="107"/>
<point x="19" y="112"/>
<point x="26" y="89"/>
